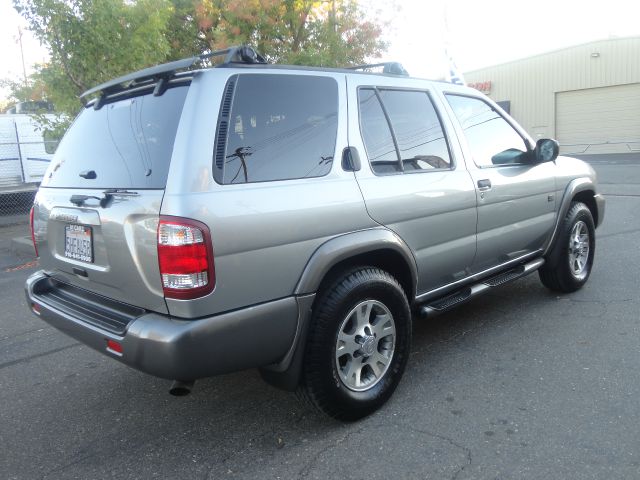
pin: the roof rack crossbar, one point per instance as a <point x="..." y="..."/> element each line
<point x="393" y="68"/>
<point x="237" y="54"/>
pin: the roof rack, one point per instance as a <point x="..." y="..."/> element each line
<point x="392" y="68"/>
<point x="163" y="73"/>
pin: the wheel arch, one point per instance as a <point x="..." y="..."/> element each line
<point x="582" y="190"/>
<point x="588" y="198"/>
<point x="377" y="247"/>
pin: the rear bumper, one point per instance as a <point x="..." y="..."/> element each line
<point x="183" y="349"/>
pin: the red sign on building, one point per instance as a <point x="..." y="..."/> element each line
<point x="484" y="87"/>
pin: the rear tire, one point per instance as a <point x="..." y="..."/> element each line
<point x="358" y="344"/>
<point x="570" y="261"/>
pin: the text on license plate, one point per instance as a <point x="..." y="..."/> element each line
<point x="78" y="243"/>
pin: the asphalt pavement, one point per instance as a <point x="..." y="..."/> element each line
<point x="521" y="383"/>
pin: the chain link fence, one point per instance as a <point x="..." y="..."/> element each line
<point x="24" y="158"/>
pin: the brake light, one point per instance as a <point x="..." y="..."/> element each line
<point x="185" y="257"/>
<point x="33" y="233"/>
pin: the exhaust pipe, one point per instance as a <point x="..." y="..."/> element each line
<point x="181" y="388"/>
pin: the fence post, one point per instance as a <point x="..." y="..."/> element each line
<point x="22" y="172"/>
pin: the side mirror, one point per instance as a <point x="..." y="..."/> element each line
<point x="547" y="150"/>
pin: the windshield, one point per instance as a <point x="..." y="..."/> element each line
<point x="128" y="144"/>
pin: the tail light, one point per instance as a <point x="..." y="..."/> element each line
<point x="33" y="233"/>
<point x="185" y="257"/>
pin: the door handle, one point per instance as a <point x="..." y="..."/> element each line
<point x="484" y="185"/>
<point x="350" y="159"/>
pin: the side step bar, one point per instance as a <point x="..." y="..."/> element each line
<point x="449" y="301"/>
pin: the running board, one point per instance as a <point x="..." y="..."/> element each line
<point x="449" y="301"/>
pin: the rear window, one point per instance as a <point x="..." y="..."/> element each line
<point x="280" y="127"/>
<point x="127" y="143"/>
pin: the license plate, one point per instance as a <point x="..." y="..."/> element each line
<point x="78" y="243"/>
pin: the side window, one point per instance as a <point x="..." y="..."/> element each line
<point x="417" y="129"/>
<point x="411" y="127"/>
<point x="492" y="140"/>
<point x="376" y="134"/>
<point x="280" y="127"/>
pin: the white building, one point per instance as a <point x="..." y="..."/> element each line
<point x="587" y="96"/>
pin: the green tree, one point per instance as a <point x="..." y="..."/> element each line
<point x="92" y="41"/>
<point x="4" y="104"/>
<point x="183" y="32"/>
<point x="326" y="33"/>
<point x="33" y="89"/>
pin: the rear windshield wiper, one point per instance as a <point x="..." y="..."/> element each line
<point x="79" y="200"/>
<point x="120" y="192"/>
<point x="116" y="192"/>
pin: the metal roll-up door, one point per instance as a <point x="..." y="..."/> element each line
<point x="599" y="120"/>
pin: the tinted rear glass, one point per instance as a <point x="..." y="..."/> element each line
<point x="127" y="143"/>
<point x="417" y="129"/>
<point x="281" y="127"/>
<point x="376" y="134"/>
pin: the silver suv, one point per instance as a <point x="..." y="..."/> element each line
<point x="197" y="222"/>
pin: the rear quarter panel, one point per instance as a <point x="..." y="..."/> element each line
<point x="263" y="233"/>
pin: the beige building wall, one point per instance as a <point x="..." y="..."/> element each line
<point x="533" y="86"/>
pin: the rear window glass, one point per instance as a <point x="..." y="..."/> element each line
<point x="280" y="127"/>
<point x="127" y="143"/>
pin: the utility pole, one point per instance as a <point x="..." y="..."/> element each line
<point x="334" y="25"/>
<point x="24" y="69"/>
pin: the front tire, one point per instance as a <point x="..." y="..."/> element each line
<point x="358" y="344"/>
<point x="570" y="261"/>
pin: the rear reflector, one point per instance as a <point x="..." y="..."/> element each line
<point x="185" y="257"/>
<point x="33" y="234"/>
<point x="114" y="347"/>
<point x="35" y="308"/>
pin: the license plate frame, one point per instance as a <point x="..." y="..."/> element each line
<point x="78" y="242"/>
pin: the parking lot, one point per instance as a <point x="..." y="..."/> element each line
<point x="521" y="383"/>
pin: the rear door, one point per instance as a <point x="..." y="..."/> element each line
<point x="413" y="183"/>
<point x="87" y="234"/>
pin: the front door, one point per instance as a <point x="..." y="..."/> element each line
<point x="516" y="198"/>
